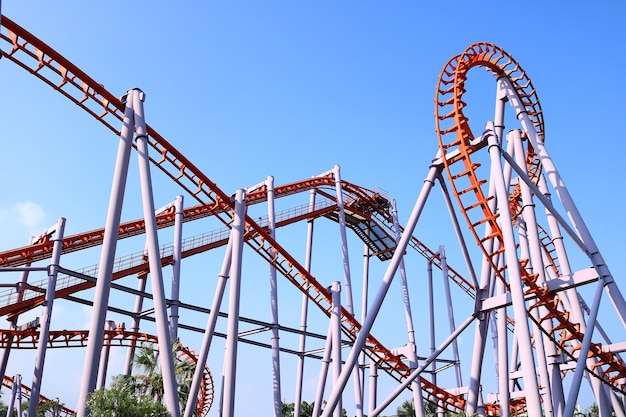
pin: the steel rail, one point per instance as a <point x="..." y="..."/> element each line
<point x="38" y="58"/>
<point x="24" y="339"/>
<point x="456" y="137"/>
<point x="7" y="381"/>
<point x="42" y="249"/>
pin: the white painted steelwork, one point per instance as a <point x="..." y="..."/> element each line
<point x="514" y="266"/>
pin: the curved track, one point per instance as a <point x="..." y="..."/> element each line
<point x="42" y="61"/>
<point x="25" y="390"/>
<point x="367" y="214"/>
<point x="472" y="198"/>
<point x="29" y="339"/>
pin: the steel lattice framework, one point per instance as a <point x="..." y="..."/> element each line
<point x="523" y="291"/>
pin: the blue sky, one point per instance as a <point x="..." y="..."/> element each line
<point x="290" y="89"/>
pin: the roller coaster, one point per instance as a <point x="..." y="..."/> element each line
<point x="518" y="289"/>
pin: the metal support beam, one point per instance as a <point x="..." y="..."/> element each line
<point x="107" y="257"/>
<point x="304" y="311"/>
<point x="335" y="325"/>
<point x="515" y="280"/>
<point x="230" y="358"/>
<point x="176" y="256"/>
<point x="275" y="341"/>
<point x="394" y="263"/>
<point x="46" y="316"/>
<point x="411" y="347"/>
<point x="166" y="358"/>
<point x="192" y="400"/>
<point x="16" y="396"/>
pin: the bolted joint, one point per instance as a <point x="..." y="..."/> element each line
<point x="124" y="98"/>
<point x="142" y="95"/>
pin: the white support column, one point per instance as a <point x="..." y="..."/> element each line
<point x="209" y="331"/>
<point x="344" y="241"/>
<point x="46" y="315"/>
<point x="304" y="311"/>
<point x="166" y="360"/>
<point x="536" y="314"/>
<point x="580" y="234"/>
<point x="451" y="322"/>
<point x="104" y="357"/>
<point x="373" y="394"/>
<point x="549" y="372"/>
<point x="582" y="353"/>
<point x="347" y="278"/>
<point x="504" y="395"/>
<point x="478" y="352"/>
<point x="230" y="358"/>
<point x="616" y="404"/>
<point x="531" y="387"/>
<point x="502" y="361"/>
<point x="143" y="278"/>
<point x="364" y="295"/>
<point x="177" y="258"/>
<point x="569" y="298"/>
<point x="323" y="374"/>
<point x="432" y="320"/>
<point x="271" y="222"/>
<point x="411" y="350"/>
<point x="16" y="396"/>
<point x="107" y="257"/>
<point x="590" y="247"/>
<point x="335" y="325"/>
<point x="384" y="287"/>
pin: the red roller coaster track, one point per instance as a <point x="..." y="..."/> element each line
<point x="455" y="134"/>
<point x="29" y="339"/>
<point x="458" y="146"/>
<point x="42" y="61"/>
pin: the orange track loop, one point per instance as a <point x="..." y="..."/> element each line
<point x="38" y="58"/>
<point x="29" y="339"/>
<point x="455" y="134"/>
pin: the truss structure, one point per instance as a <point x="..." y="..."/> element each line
<point x="533" y="319"/>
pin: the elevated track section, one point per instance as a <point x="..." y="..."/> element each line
<point x="521" y="286"/>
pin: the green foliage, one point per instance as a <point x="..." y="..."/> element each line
<point x="44" y="408"/>
<point x="124" y="399"/>
<point x="592" y="411"/>
<point x="150" y="378"/>
<point x="287" y="409"/>
<point x="407" y="409"/>
<point x="47" y="408"/>
<point x="306" y="409"/>
<point x="142" y="394"/>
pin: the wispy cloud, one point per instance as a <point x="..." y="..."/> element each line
<point x="31" y="215"/>
<point x="21" y="221"/>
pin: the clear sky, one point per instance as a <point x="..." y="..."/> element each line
<point x="292" y="88"/>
